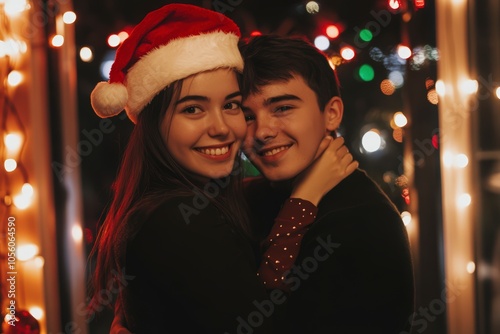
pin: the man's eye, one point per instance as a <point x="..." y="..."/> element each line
<point x="282" y="108"/>
<point x="249" y="117"/>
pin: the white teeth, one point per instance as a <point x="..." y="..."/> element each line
<point x="275" y="150"/>
<point x="214" y="151"/>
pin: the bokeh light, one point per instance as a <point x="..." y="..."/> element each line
<point x="400" y="119"/>
<point x="114" y="40"/>
<point x="123" y="36"/>
<point x="39" y="261"/>
<point x="36" y="312"/>
<point x="69" y="17"/>
<point x="432" y="96"/>
<point x="429" y="83"/>
<point x="461" y="160"/>
<point x="469" y="86"/>
<point x="347" y="53"/>
<point x="312" y="7"/>
<point x="397" y="78"/>
<point x="394" y="4"/>
<point x="10" y="165"/>
<point x="447" y="159"/>
<point x="86" y="54"/>
<point x="365" y="35"/>
<point x="406" y="217"/>
<point x="397" y="135"/>
<point x="77" y="233"/>
<point x="15" y="7"/>
<point x="377" y="54"/>
<point x="15" y="78"/>
<point x="366" y="72"/>
<point x="106" y="64"/>
<point x="22" y="201"/>
<point x="404" y="52"/>
<point x="464" y="200"/>
<point x="26" y="252"/>
<point x="371" y="141"/>
<point x="322" y="42"/>
<point x="387" y="87"/>
<point x="13" y="141"/>
<point x="471" y="267"/>
<point x="57" y="41"/>
<point x="435" y="141"/>
<point x="332" y="31"/>
<point x="440" y="88"/>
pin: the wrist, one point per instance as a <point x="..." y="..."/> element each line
<point x="312" y="197"/>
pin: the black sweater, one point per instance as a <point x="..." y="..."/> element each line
<point x="196" y="277"/>
<point x="353" y="273"/>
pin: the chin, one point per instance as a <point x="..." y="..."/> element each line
<point x="221" y="173"/>
<point x="275" y="176"/>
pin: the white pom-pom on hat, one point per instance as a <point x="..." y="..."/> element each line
<point x="109" y="99"/>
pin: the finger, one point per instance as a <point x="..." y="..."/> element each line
<point x="351" y="167"/>
<point x="342" y="151"/>
<point x="325" y="143"/>
<point x="348" y="161"/>
<point x="337" y="143"/>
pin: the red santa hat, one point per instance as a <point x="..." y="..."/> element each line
<point x="169" y="44"/>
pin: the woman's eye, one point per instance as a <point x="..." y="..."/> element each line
<point x="191" y="110"/>
<point x="232" y="105"/>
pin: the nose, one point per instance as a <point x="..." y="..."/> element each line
<point x="218" y="125"/>
<point x="265" y="129"/>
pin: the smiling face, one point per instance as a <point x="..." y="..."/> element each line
<point x="204" y="127"/>
<point x="286" y="126"/>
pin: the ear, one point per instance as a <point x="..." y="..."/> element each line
<point x="333" y="112"/>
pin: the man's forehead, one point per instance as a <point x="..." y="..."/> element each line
<point x="273" y="89"/>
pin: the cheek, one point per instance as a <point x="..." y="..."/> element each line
<point x="239" y="127"/>
<point x="171" y="141"/>
<point x="309" y="136"/>
<point x="249" y="137"/>
<point x="179" y="136"/>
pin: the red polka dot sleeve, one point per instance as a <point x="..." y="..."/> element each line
<point x="283" y="243"/>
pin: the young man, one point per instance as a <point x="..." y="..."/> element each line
<point x="353" y="271"/>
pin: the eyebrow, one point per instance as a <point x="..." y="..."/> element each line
<point x="281" y="98"/>
<point x="204" y="98"/>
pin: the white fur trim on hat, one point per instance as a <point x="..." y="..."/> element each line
<point x="108" y="99"/>
<point x="176" y="60"/>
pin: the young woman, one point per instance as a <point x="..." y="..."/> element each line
<point x="176" y="229"/>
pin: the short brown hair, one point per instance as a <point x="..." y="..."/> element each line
<point x="272" y="58"/>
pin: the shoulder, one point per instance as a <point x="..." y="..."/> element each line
<point x="180" y="232"/>
<point x="357" y="192"/>
<point x="358" y="206"/>
<point x="174" y="220"/>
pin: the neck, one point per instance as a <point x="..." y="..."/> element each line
<point x="285" y="186"/>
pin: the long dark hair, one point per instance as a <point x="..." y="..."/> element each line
<point x="149" y="176"/>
